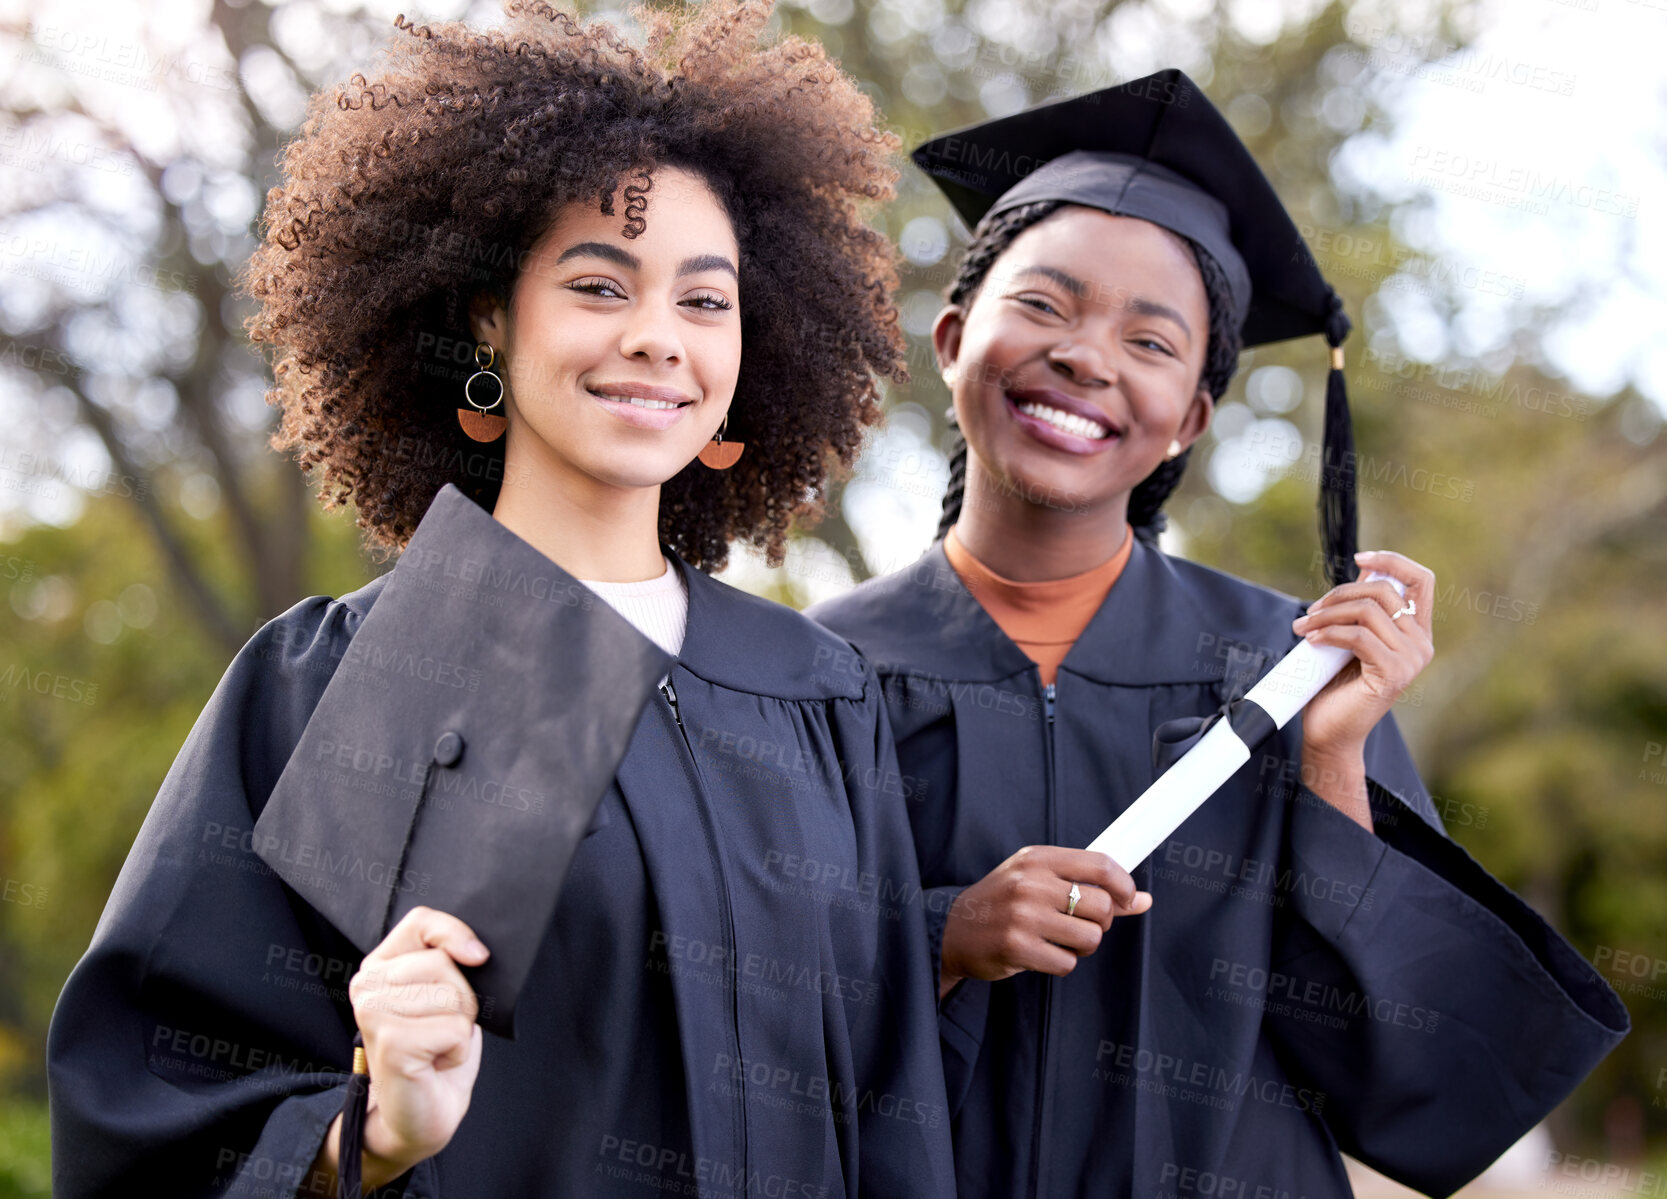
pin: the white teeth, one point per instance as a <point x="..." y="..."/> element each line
<point x="637" y="401"/>
<point x="1070" y="422"/>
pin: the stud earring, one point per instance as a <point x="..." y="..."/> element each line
<point x="478" y="420"/>
<point x="1174" y="450"/>
<point x="720" y="454"/>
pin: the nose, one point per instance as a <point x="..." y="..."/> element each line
<point x="1080" y="361"/>
<point x="651" y="334"/>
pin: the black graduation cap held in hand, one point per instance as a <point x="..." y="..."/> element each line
<point x="1157" y="149"/>
<point x="459" y="752"/>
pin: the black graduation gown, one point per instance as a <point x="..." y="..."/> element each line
<point x="1300" y="986"/>
<point x="708" y="1011"/>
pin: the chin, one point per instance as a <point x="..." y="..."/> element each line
<point x="1046" y="481"/>
<point x="638" y="471"/>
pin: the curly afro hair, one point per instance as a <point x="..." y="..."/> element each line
<point x="407" y="194"/>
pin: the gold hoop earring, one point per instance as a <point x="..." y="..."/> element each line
<point x="478" y="420"/>
<point x="719" y="454"/>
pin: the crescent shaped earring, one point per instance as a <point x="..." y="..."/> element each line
<point x="478" y="420"/>
<point x="720" y="454"/>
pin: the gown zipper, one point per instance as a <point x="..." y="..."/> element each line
<point x="670" y="692"/>
<point x="1050" y="698"/>
<point x="691" y="766"/>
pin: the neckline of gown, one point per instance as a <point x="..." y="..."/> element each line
<point x="1150" y="630"/>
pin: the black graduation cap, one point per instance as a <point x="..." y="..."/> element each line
<point x="1157" y="149"/>
<point x="459" y="751"/>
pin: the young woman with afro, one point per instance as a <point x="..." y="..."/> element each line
<point x="530" y="291"/>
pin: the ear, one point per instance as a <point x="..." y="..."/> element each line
<point x="488" y="320"/>
<point x="946" y="337"/>
<point x="1197" y="418"/>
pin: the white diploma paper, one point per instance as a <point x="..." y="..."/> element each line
<point x="1182" y="789"/>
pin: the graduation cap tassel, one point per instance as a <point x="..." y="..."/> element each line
<point x="350" y="1166"/>
<point x="1339" y="518"/>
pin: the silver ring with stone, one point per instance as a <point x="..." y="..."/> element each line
<point x="1410" y="610"/>
<point x="1075" y="897"/>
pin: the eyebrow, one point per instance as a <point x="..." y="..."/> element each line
<point x="1135" y="304"/>
<point x="705" y="262"/>
<point x="601" y="249"/>
<point x="624" y="258"/>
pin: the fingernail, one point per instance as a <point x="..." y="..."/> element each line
<point x="477" y="949"/>
<point x="1365" y="554"/>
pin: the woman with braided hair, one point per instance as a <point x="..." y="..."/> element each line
<point x="1307" y="964"/>
<point x="1221" y="360"/>
<point x="544" y="864"/>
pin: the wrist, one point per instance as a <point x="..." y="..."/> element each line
<point x="385" y="1158"/>
<point x="948" y="972"/>
<point x="1328" y="765"/>
<point x="1339" y="778"/>
<point x="951" y="966"/>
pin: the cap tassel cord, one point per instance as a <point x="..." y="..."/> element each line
<point x="350" y="1165"/>
<point x="1339" y="516"/>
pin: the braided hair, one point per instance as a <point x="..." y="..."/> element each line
<point x="1221" y="359"/>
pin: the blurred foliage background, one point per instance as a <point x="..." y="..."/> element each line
<point x="146" y="530"/>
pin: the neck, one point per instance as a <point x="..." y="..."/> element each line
<point x="590" y="529"/>
<point x="1032" y="542"/>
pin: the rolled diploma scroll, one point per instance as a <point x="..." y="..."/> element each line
<point x="1182" y="789"/>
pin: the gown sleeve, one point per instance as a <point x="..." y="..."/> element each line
<point x="903" y="1120"/>
<point x="201" y="1042"/>
<point x="964" y="1013"/>
<point x="1469" y="1014"/>
<point x="927" y="755"/>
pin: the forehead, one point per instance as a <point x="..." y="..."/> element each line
<point x="681" y="209"/>
<point x="1112" y="255"/>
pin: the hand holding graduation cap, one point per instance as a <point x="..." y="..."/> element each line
<point x="417" y="1014"/>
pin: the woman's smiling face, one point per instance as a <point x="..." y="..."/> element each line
<point x="621" y="354"/>
<point x="1078" y="362"/>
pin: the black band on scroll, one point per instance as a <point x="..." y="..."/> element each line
<point x="1250" y="722"/>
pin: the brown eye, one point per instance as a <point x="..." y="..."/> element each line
<point x="606" y="288"/>
<point x="1037" y="303"/>
<point x="709" y="303"/>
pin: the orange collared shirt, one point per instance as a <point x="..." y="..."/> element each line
<point x="1043" y="619"/>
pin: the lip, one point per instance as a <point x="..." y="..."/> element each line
<point x="1052" y="436"/>
<point x="613" y="397"/>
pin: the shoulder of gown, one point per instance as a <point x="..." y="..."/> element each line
<point x="174" y="991"/>
<point x="747" y="643"/>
